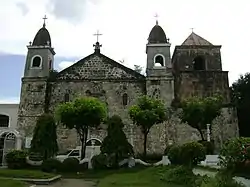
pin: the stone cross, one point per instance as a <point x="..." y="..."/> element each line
<point x="97" y="34"/>
<point x="44" y="20"/>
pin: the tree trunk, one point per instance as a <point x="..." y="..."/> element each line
<point x="202" y="136"/>
<point x="145" y="144"/>
<point x="82" y="148"/>
<point x="83" y="141"/>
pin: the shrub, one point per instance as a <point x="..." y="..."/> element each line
<point x="209" y="146"/>
<point x="51" y="165"/>
<point x="179" y="175"/>
<point x="115" y="144"/>
<point x="192" y="153"/>
<point x="16" y="159"/>
<point x="99" y="161"/>
<point x="235" y="153"/>
<point x="174" y="155"/>
<point x="83" y="166"/>
<point x="166" y="151"/>
<point x="221" y="180"/>
<point x="189" y="154"/>
<point x="70" y="165"/>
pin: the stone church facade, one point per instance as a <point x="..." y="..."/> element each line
<point x="195" y="69"/>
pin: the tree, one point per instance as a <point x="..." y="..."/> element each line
<point x="198" y="112"/>
<point x="240" y="91"/>
<point x="138" y="68"/>
<point x="44" y="139"/>
<point x="81" y="114"/>
<point x="115" y="144"/>
<point x="146" y="113"/>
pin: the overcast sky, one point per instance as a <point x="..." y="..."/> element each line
<point x="125" y="25"/>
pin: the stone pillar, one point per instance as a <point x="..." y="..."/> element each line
<point x="18" y="143"/>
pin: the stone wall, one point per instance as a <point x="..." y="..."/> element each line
<point x="31" y="105"/>
<point x="202" y="84"/>
<point x="110" y="92"/>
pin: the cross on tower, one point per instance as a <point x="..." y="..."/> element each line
<point x="97" y="34"/>
<point x="44" y="21"/>
<point x="156" y="17"/>
<point x="192" y="29"/>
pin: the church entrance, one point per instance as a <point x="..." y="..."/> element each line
<point x="93" y="147"/>
<point x="7" y="143"/>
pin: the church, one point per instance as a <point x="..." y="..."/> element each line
<point x="194" y="69"/>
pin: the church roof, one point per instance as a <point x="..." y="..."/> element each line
<point x="42" y="38"/>
<point x="97" y="66"/>
<point x="157" y="35"/>
<point x="195" y="39"/>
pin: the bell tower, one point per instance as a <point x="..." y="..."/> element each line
<point x="34" y="89"/>
<point x="160" y="82"/>
<point x="40" y="56"/>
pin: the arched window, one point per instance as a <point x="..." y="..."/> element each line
<point x="4" y="120"/>
<point x="125" y="99"/>
<point x="36" y="62"/>
<point x="159" y="60"/>
<point x="66" y="97"/>
<point x="199" y="63"/>
<point x="94" y="142"/>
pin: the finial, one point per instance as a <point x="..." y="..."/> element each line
<point x="97" y="45"/>
<point x="192" y="29"/>
<point x="156" y="17"/>
<point x="30" y="43"/>
<point x="44" y="21"/>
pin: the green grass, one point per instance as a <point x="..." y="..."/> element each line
<point x="31" y="174"/>
<point x="12" y="183"/>
<point x="150" y="177"/>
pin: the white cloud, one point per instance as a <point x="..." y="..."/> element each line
<point x="64" y="64"/>
<point x="9" y="100"/>
<point x="23" y="7"/>
<point x="125" y="25"/>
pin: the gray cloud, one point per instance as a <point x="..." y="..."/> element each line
<point x="72" y="11"/>
<point x="23" y="7"/>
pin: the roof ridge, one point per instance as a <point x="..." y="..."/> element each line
<point x="195" y="39"/>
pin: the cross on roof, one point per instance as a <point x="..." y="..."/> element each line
<point x="156" y="17"/>
<point x="97" y="34"/>
<point x="44" y="20"/>
<point x="192" y="29"/>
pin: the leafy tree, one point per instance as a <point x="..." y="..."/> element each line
<point x="240" y="97"/>
<point x="44" y="139"/>
<point x="138" y="68"/>
<point x="115" y="144"/>
<point x="198" y="112"/>
<point x="146" y="113"/>
<point x="81" y="114"/>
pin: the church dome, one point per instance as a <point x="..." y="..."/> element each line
<point x="42" y="38"/>
<point x="157" y="35"/>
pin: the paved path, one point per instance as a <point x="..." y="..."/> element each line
<point x="70" y="183"/>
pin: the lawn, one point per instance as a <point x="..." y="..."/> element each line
<point x="31" y="174"/>
<point x="12" y="183"/>
<point x="142" y="178"/>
